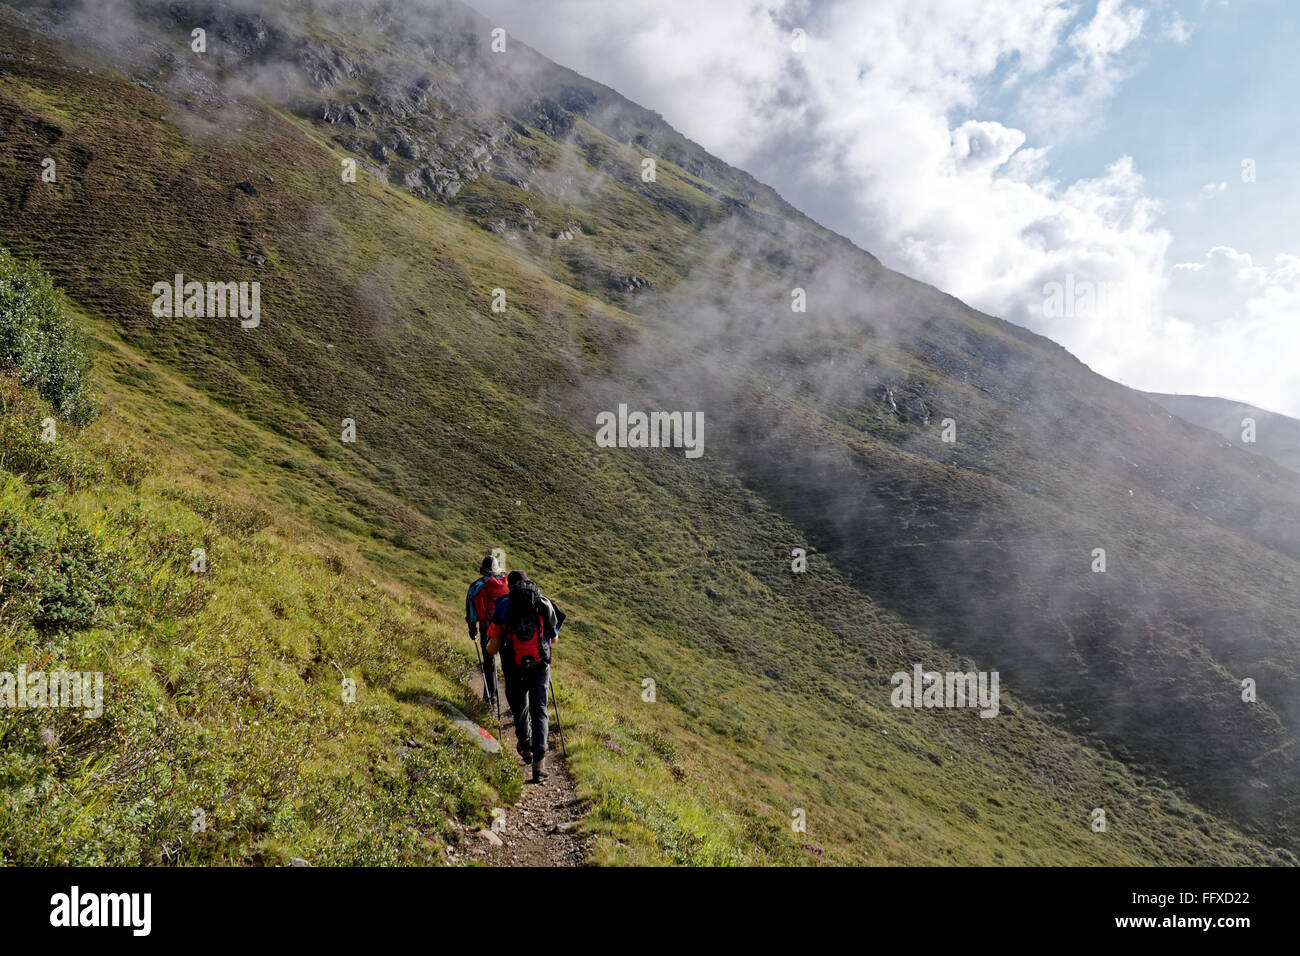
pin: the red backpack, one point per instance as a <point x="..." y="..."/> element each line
<point x="526" y="626"/>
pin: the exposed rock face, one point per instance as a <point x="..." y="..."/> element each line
<point x="325" y="66"/>
<point x="551" y="118"/>
<point x="407" y="148"/>
<point x="906" y="401"/>
<point x="630" y="283"/>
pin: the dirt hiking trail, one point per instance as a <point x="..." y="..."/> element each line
<point x="539" y="829"/>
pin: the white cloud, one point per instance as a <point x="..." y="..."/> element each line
<point x="1178" y="30"/>
<point x="984" y="145"/>
<point x="1244" y="322"/>
<point x="879" y="130"/>
<point x="1063" y="105"/>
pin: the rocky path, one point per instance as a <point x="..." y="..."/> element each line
<point x="539" y="829"/>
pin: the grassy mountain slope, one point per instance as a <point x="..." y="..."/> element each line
<point x="1277" y="436"/>
<point x="475" y="428"/>
<point x="226" y="736"/>
<point x="223" y="695"/>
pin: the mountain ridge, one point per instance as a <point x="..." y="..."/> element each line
<point x="1275" y="435"/>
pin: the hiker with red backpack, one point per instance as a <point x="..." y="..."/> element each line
<point x="524" y="625"/>
<point x="480" y="602"/>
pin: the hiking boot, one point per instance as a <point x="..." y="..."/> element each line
<point x="538" y="773"/>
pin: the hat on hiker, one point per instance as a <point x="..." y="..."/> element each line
<point x="489" y="565"/>
<point x="516" y="578"/>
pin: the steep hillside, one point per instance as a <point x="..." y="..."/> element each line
<point x="1276" y="436"/>
<point x="479" y="172"/>
<point x="227" y="733"/>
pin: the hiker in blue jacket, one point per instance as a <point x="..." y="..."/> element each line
<point x="480" y="601"/>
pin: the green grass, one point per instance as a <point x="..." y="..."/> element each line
<point x="676" y="781"/>
<point x="223" y="689"/>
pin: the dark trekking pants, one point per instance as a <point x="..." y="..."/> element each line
<point x="526" y="695"/>
<point x="490" y="685"/>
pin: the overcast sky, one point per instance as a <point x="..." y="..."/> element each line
<point x="1143" y="151"/>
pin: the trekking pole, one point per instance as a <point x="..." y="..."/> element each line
<point x="559" y="728"/>
<point x="481" y="669"/>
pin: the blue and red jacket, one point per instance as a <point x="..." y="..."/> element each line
<point x="480" y="601"/>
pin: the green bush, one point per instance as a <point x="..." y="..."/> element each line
<point x="50" y="581"/>
<point x="90" y="459"/>
<point x="40" y="343"/>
